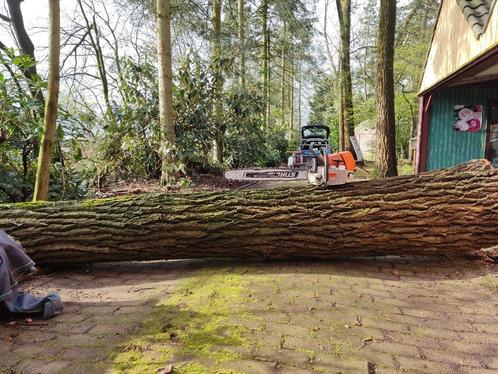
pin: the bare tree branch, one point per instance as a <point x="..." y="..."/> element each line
<point x="5" y="18"/>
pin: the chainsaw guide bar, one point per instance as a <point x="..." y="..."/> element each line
<point x="266" y="174"/>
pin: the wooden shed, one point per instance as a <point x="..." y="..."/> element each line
<point x="458" y="100"/>
<point x="366" y="133"/>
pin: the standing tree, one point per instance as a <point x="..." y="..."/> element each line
<point x="218" y="81"/>
<point x="346" y="120"/>
<point x="16" y="20"/>
<point x="242" y="41"/>
<point x="168" y="170"/>
<point x="386" y="127"/>
<point x="265" y="73"/>
<point x="50" y="117"/>
<point x="283" y="76"/>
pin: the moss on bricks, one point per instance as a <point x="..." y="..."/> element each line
<point x="192" y="327"/>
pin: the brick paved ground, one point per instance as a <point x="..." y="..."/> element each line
<point x="370" y="316"/>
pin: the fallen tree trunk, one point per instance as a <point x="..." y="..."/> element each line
<point x="452" y="211"/>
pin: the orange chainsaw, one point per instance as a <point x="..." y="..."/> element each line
<point x="332" y="169"/>
<point x="312" y="161"/>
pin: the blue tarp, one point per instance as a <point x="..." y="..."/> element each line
<point x="13" y="261"/>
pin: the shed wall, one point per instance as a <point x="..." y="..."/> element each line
<point x="454" y="44"/>
<point x="447" y="147"/>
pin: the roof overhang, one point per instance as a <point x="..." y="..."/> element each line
<point x="481" y="69"/>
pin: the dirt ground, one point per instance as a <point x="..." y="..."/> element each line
<point x="386" y="315"/>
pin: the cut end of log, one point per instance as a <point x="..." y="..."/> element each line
<point x="487" y="254"/>
<point x="478" y="166"/>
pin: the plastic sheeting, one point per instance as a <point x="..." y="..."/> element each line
<point x="13" y="261"/>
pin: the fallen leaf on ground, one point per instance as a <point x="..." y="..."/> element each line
<point x="368" y="339"/>
<point x="166" y="370"/>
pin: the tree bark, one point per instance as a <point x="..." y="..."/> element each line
<point x="266" y="62"/>
<point x="386" y="127"/>
<point x="242" y="42"/>
<point x="50" y="117"/>
<point x="283" y="76"/>
<point x="346" y="118"/>
<point x="453" y="212"/>
<point x="299" y="99"/>
<point x="218" y="81"/>
<point x="27" y="48"/>
<point x="168" y="138"/>
<point x="291" y="93"/>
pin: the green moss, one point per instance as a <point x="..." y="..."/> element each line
<point x="196" y="368"/>
<point x="490" y="282"/>
<point x="89" y="203"/>
<point x="310" y="353"/>
<point x="192" y="368"/>
<point x="29" y="205"/>
<point x="192" y="325"/>
<point x="337" y="349"/>
<point x="134" y="362"/>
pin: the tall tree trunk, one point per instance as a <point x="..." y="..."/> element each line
<point x="168" y="138"/>
<point x="346" y="118"/>
<point x="242" y="42"/>
<point x="218" y="83"/>
<point x="342" y="131"/>
<point x="268" y="74"/>
<point x="299" y="99"/>
<point x="27" y="48"/>
<point x="291" y="92"/>
<point x="386" y="127"/>
<point x="365" y="75"/>
<point x="444" y="212"/>
<point x="283" y="76"/>
<point x="266" y="62"/>
<point x="50" y="117"/>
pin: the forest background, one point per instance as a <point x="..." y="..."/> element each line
<point x="277" y="67"/>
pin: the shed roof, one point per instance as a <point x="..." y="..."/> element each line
<point x="465" y="31"/>
<point x="476" y="12"/>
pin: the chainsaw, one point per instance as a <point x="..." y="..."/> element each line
<point x="313" y="161"/>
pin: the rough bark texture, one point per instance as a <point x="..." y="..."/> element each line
<point x="26" y="46"/>
<point x="386" y="127"/>
<point x="49" y="125"/>
<point x="283" y="77"/>
<point x="346" y="118"/>
<point x="453" y="211"/>
<point x="241" y="29"/>
<point x="168" y="138"/>
<point x="218" y="83"/>
<point x="265" y="35"/>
